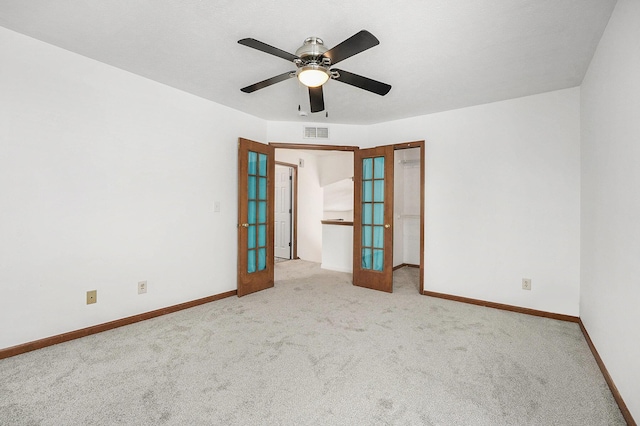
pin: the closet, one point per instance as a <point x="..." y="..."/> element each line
<point x="406" y="236"/>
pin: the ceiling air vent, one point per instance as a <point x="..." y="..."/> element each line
<point x="316" y="133"/>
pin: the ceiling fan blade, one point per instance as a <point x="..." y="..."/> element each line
<point x="365" y="83"/>
<point x="264" y="47"/>
<point x="316" y="99"/>
<point x="268" y="82"/>
<point x="355" y="44"/>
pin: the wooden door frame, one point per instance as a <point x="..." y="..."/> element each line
<point x="421" y="145"/>
<point x="307" y="147"/>
<point x="294" y="194"/>
<point x="405" y="145"/>
<point x="313" y="147"/>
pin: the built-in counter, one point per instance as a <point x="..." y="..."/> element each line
<point x="337" y="245"/>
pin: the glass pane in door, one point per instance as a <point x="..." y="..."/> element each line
<point x="257" y="212"/>
<point x="373" y="213"/>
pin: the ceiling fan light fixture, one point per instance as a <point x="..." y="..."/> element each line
<point x="313" y="75"/>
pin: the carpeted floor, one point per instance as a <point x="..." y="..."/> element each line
<point x="315" y="350"/>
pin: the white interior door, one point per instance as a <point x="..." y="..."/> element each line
<point x="283" y="209"/>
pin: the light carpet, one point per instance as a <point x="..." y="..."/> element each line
<point x="315" y="350"/>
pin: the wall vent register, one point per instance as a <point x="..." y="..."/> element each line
<point x="316" y="133"/>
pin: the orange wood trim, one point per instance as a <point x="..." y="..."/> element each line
<point x="423" y="184"/>
<point x="313" y="146"/>
<point x="407" y="145"/>
<point x="421" y="145"/>
<point x="503" y="307"/>
<point x="282" y="163"/>
<point x="626" y="414"/>
<point x="612" y="386"/>
<point x="337" y="222"/>
<point x="242" y="171"/>
<point x="357" y="217"/>
<point x="408" y="265"/>
<point x="83" y="332"/>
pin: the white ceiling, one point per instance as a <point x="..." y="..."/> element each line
<point x="437" y="54"/>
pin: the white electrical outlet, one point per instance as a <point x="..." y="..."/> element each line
<point x="526" y="283"/>
<point x="142" y="287"/>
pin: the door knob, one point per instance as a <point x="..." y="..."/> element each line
<point x="387" y="226"/>
<point x="244" y="225"/>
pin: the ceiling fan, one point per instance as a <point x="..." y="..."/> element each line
<point x="313" y="62"/>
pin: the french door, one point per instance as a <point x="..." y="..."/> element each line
<point x="256" y="170"/>
<point x="373" y="217"/>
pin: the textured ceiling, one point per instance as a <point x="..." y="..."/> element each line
<point x="437" y="54"/>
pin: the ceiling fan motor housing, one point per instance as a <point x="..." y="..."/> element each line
<point x="312" y="50"/>
<point x="310" y="61"/>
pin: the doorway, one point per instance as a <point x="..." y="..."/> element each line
<point x="385" y="229"/>
<point x="364" y="249"/>
<point x="407" y="221"/>
<point x="285" y="211"/>
<point x="318" y="169"/>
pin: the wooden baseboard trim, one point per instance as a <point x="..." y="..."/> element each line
<point x="402" y="265"/>
<point x="76" y="334"/>
<point x="614" y="390"/>
<point x="503" y="307"/>
<point x="612" y="386"/>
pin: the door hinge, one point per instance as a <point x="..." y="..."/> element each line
<point x="289" y="211"/>
<point x="289" y="244"/>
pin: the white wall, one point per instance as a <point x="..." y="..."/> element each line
<point x="337" y="248"/>
<point x="336" y="178"/>
<point x="502" y="199"/>
<point x="610" y="292"/>
<point x="339" y="134"/>
<point x="338" y="200"/>
<point x="335" y="166"/>
<point x="108" y="179"/>
<point x="309" y="203"/>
